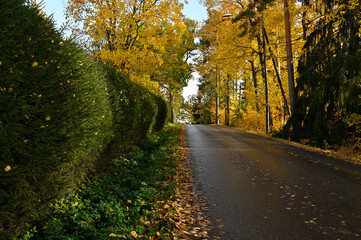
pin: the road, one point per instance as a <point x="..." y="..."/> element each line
<point x="260" y="188"/>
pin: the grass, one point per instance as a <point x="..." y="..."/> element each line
<point x="131" y="199"/>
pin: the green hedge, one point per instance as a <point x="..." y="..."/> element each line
<point x="59" y="110"/>
<point x="163" y="115"/>
<point x="134" y="107"/>
<point x="55" y="114"/>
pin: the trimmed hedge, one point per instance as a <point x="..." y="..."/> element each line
<point x="55" y="114"/>
<point x="163" y="115"/>
<point x="59" y="110"/>
<point x="134" y="109"/>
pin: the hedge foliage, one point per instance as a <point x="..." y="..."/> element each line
<point x="100" y="208"/>
<point x="133" y="107"/>
<point x="59" y="110"/>
<point x="163" y="115"/>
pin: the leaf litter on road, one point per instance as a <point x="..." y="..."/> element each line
<point x="190" y="218"/>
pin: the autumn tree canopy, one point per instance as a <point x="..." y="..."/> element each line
<point x="248" y="50"/>
<point x="131" y="34"/>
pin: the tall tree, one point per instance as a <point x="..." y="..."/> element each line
<point x="290" y="70"/>
<point x="237" y="47"/>
<point x="176" y="68"/>
<point x="260" y="6"/>
<point x="125" y="32"/>
<point x="329" y="85"/>
<point x="265" y="77"/>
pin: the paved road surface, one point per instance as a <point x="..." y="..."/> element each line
<point x="259" y="188"/>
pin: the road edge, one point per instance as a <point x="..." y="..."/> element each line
<point x="350" y="159"/>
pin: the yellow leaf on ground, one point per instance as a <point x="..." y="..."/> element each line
<point x="134" y="234"/>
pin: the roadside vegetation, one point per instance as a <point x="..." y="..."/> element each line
<point x="140" y="195"/>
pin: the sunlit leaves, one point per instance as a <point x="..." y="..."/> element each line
<point x="232" y="46"/>
<point x="130" y="34"/>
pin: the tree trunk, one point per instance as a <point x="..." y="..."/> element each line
<point x="217" y="98"/>
<point x="278" y="75"/>
<point x="265" y="77"/>
<point x="255" y="84"/>
<point x="227" y="101"/>
<point x="304" y="22"/>
<point x="291" y="82"/>
<point x="171" y="102"/>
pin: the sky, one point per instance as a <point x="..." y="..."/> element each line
<point x="193" y="10"/>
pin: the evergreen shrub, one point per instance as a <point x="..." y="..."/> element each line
<point x="162" y="115"/>
<point x="134" y="109"/>
<point x="55" y="116"/>
<point x="59" y="110"/>
<point x="147" y="115"/>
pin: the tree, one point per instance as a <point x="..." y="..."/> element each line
<point x="328" y="87"/>
<point x="237" y="46"/>
<point x="201" y="104"/>
<point x="126" y="32"/>
<point x="176" y="69"/>
<point x="150" y="41"/>
<point x="290" y="70"/>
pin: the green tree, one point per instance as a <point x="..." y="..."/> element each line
<point x="329" y="85"/>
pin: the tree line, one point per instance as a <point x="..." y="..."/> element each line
<point x="291" y="68"/>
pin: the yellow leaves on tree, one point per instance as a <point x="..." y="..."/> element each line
<point x="130" y="34"/>
<point x="233" y="37"/>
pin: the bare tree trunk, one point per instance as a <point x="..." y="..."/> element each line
<point x="265" y="77"/>
<point x="217" y="98"/>
<point x="241" y="92"/>
<point x="235" y="89"/>
<point x="227" y="101"/>
<point x="290" y="71"/>
<point x="304" y="26"/>
<point x="255" y="84"/>
<point x="171" y="102"/>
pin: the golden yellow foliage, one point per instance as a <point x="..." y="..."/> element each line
<point x="130" y="34"/>
<point x="235" y="48"/>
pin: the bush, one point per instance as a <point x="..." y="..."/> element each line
<point x="134" y="109"/>
<point x="162" y="115"/>
<point x="251" y="119"/>
<point x="59" y="110"/>
<point x="129" y="196"/>
<point x="55" y="116"/>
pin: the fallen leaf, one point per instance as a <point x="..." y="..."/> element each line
<point x="134" y="234"/>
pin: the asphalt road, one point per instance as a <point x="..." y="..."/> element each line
<point x="260" y="188"/>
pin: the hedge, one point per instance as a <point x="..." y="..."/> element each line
<point x="134" y="109"/>
<point x="59" y="110"/>
<point x="163" y="115"/>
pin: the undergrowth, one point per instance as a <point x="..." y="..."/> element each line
<point x="128" y="200"/>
